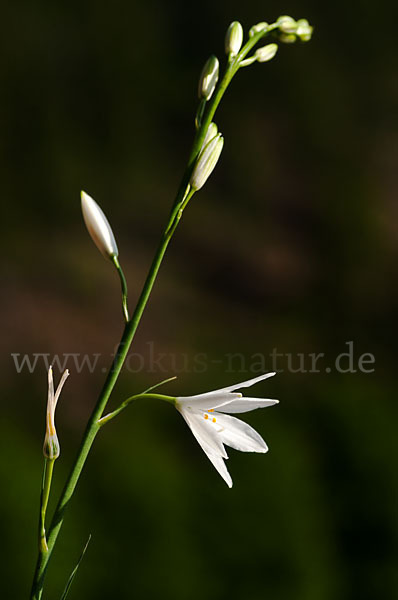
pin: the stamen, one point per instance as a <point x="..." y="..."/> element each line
<point x="206" y="416"/>
<point x="214" y="419"/>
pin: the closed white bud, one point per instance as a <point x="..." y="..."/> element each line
<point x="98" y="227"/>
<point x="206" y="162"/>
<point x="257" y="28"/>
<point x="266" y="52"/>
<point x="211" y="132"/>
<point x="208" y="78"/>
<point x="233" y="38"/>
<point x="304" y="30"/>
<point x="286" y="24"/>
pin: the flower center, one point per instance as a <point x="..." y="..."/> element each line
<point x="206" y="416"/>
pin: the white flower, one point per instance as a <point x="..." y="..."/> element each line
<point x="51" y="444"/>
<point x="212" y="428"/>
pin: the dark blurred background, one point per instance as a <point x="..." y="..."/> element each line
<point x="290" y="248"/>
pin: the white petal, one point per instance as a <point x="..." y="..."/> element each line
<point x="240" y="435"/>
<point x="209" y="441"/>
<point x="60" y="386"/>
<point x="247" y="383"/>
<point x="219" y="464"/>
<point x="207" y="437"/>
<point x="208" y="400"/>
<point x="50" y="399"/>
<point x="243" y="405"/>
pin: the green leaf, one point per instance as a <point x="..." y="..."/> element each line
<point x="72" y="575"/>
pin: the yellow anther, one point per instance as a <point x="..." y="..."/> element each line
<point x="214" y="419"/>
<point x="206" y="416"/>
<point x="211" y="410"/>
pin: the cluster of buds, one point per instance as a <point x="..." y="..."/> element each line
<point x="289" y="30"/>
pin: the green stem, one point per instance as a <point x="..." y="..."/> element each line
<point x="123" y="283"/>
<point x="45" y="494"/>
<point x="93" y="424"/>
<point x="114" y="413"/>
<point x="183" y="195"/>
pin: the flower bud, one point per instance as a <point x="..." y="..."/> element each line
<point x="286" y="24"/>
<point x="266" y="52"/>
<point x="233" y="38"/>
<point x="208" y="78"/>
<point x="98" y="227"/>
<point x="257" y="28"/>
<point x="211" y="133"/>
<point x="304" y="30"/>
<point x="287" y="38"/>
<point x="206" y="162"/>
<point x="248" y="61"/>
<point x="51" y="448"/>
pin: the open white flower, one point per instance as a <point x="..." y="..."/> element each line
<point x="212" y="428"/>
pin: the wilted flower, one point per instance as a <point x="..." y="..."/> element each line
<point x="212" y="428"/>
<point x="51" y="447"/>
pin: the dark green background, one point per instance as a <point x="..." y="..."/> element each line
<point x="291" y="245"/>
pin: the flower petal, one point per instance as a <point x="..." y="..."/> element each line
<point x="50" y="399"/>
<point x="219" y="464"/>
<point x="207" y="401"/>
<point x="240" y="435"/>
<point x="243" y="405"/>
<point x="247" y="383"/>
<point x="209" y="441"/>
<point x="207" y="437"/>
<point x="60" y="386"/>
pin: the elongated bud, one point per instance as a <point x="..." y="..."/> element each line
<point x="266" y="52"/>
<point x="248" y="61"/>
<point x="211" y="133"/>
<point x="304" y="30"/>
<point x="98" y="227"/>
<point x="233" y="38"/>
<point x="286" y="24"/>
<point x="208" y="78"/>
<point x="263" y="26"/>
<point x="206" y="162"/>
<point x="51" y="448"/>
